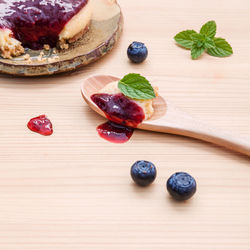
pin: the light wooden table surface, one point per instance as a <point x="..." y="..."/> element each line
<point x="73" y="190"/>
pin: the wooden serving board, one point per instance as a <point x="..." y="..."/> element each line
<point x="72" y="190"/>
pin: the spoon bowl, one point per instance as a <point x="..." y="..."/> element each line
<point x="169" y="119"/>
<point x="94" y="84"/>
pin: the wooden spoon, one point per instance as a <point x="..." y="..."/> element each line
<point x="169" y="119"/>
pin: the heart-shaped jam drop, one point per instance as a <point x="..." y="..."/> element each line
<point x="41" y="125"/>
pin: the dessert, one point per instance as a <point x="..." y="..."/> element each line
<point x="181" y="186"/>
<point x="38" y="23"/>
<point x="121" y="109"/>
<point x="41" y="125"/>
<point x="127" y="102"/>
<point x="143" y="173"/>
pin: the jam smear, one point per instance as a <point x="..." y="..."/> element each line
<point x="38" y="22"/>
<point x="124" y="115"/>
<point x="41" y="125"/>
<point x="119" y="109"/>
<point x="114" y="132"/>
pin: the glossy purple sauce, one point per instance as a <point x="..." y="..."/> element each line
<point x="38" y="22"/>
<point x="124" y="115"/>
<point x="119" y="109"/>
<point x="114" y="132"/>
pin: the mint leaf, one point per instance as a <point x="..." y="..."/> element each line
<point x="136" y="86"/>
<point x="184" y="38"/>
<point x="209" y="29"/>
<point x="199" y="40"/>
<point x="209" y="43"/>
<point x="202" y="41"/>
<point x="222" y="48"/>
<point x="196" y="51"/>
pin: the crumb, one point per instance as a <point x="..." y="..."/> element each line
<point x="29" y="60"/>
<point x="63" y="44"/>
<point x="40" y="58"/>
<point x="54" y="51"/>
<point x="26" y="57"/>
<point x="46" y="47"/>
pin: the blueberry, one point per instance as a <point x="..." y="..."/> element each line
<point x="143" y="172"/>
<point x="181" y="186"/>
<point x="137" y="52"/>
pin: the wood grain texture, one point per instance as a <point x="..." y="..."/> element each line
<point x="73" y="191"/>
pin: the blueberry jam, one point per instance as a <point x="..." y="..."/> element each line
<point x="41" y="125"/>
<point x="114" y="132"/>
<point x="38" y="22"/>
<point x="119" y="109"/>
<point x="124" y="113"/>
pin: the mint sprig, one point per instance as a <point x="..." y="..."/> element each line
<point x="185" y="39"/>
<point x="209" y="29"/>
<point x="136" y="86"/>
<point x="196" y="51"/>
<point x="204" y="41"/>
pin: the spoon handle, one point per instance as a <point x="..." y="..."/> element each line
<point x="178" y="122"/>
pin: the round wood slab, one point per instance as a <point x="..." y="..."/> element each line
<point x="104" y="31"/>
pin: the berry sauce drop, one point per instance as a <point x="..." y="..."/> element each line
<point x="41" y="125"/>
<point x="119" y="109"/>
<point x="124" y="113"/>
<point x="114" y="132"/>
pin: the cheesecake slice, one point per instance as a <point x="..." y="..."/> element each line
<point x="35" y="23"/>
